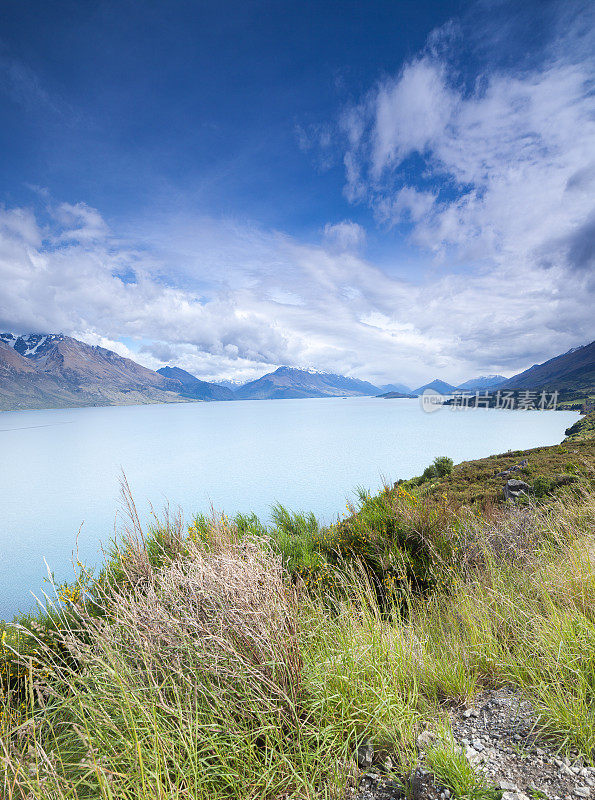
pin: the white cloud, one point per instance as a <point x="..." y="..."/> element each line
<point x="345" y="235"/>
<point x="408" y="205"/>
<point x="507" y="175"/>
<point x="410" y="113"/>
<point x="502" y="196"/>
<point x="80" y="222"/>
<point x="238" y="302"/>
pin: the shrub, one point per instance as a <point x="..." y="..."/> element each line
<point x="541" y="486"/>
<point x="428" y="473"/>
<point x="209" y="676"/>
<point x="443" y="466"/>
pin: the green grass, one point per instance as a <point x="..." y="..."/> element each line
<point x="452" y="770"/>
<point x="583" y="429"/>
<point x="477" y="482"/>
<point x="233" y="660"/>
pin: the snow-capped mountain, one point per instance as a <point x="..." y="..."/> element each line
<point x="484" y="382"/>
<point x="289" y="382"/>
<point x="52" y="370"/>
<point x="194" y="388"/>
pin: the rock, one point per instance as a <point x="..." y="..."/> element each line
<point x="517" y="795"/>
<point x="514" y="467"/>
<point x="582" y="791"/>
<point x="478" y="745"/>
<point x="416" y="784"/>
<point x="472" y="755"/>
<point x="425" y="739"/>
<point x="508" y="787"/>
<point x="514" y="488"/>
<point x="365" y="755"/>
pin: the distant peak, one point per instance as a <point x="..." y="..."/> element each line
<point x="31" y="344"/>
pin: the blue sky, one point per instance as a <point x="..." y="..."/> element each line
<point x="393" y="190"/>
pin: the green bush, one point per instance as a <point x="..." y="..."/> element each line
<point x="400" y="541"/>
<point x="443" y="466"/>
<point x="428" y="473"/>
<point x="541" y="486"/>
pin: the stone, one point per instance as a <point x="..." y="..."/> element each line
<point x="365" y="755"/>
<point x="472" y="755"/>
<point x="425" y="739"/>
<point x="582" y="791"/>
<point x="514" y="488"/>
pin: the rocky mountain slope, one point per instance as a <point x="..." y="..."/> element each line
<point x="484" y="382"/>
<point x="55" y="371"/>
<point x="401" y="388"/>
<point x="194" y="388"/>
<point x="287" y="382"/>
<point x="437" y="385"/>
<point x="571" y="371"/>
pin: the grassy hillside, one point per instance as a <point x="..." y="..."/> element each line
<point x="232" y="659"/>
<point x="571" y="371"/>
<point x="548" y="469"/>
<point x="582" y="430"/>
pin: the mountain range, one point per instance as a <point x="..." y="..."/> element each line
<point x="571" y="371"/>
<point x="49" y="371"/>
<point x="193" y="388"/>
<point x="55" y="371"/>
<point x="400" y="388"/>
<point x="484" y="382"/>
<point x="288" y="382"/>
<point x="437" y="385"/>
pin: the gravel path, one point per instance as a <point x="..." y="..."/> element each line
<point x="498" y="737"/>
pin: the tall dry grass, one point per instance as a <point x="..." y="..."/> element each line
<point x="187" y="685"/>
<point x="207" y="676"/>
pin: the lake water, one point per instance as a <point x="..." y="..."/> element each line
<point x="61" y="468"/>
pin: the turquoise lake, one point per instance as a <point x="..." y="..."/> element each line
<point x="61" y="468"/>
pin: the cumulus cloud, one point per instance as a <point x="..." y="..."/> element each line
<point x="491" y="173"/>
<point x="498" y="168"/>
<point x="345" y="235"/>
<point x="222" y="300"/>
<point x="80" y="223"/>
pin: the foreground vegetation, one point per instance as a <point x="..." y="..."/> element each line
<point x="229" y="659"/>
